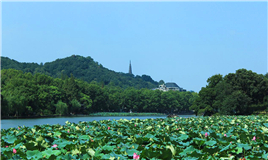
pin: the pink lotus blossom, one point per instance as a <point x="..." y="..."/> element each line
<point x="108" y="128"/>
<point x="135" y="156"/>
<point x="225" y="135"/>
<point x="68" y="131"/>
<point x="206" y="134"/>
<point x="135" y="125"/>
<point x="54" y="145"/>
<point x="254" y="138"/>
<point x="6" y="146"/>
<point x="14" y="150"/>
<point x="177" y="129"/>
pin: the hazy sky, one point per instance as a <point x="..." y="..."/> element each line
<point x="181" y="42"/>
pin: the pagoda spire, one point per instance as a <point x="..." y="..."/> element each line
<point x="130" y="69"/>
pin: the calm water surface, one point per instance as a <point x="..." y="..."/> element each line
<point x="9" y="123"/>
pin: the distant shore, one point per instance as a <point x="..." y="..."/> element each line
<point x="104" y="114"/>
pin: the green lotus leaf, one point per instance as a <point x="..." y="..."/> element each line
<point x="57" y="133"/>
<point x="84" y="137"/>
<point x="39" y="138"/>
<point x="265" y="155"/>
<point x="108" y="148"/>
<point x="183" y="137"/>
<point x="86" y="156"/>
<point x="91" y="152"/>
<point x="9" y="139"/>
<point x="188" y="150"/>
<point x="264" y="129"/>
<point x="225" y="148"/>
<point x="149" y="128"/>
<point x="75" y="152"/>
<point x="107" y="156"/>
<point x="239" y="150"/>
<point x="35" y="154"/>
<point x="210" y="143"/>
<point x="48" y="152"/>
<point x="130" y="152"/>
<point x="245" y="146"/>
<point x="265" y="124"/>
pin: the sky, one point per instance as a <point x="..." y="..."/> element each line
<point x="181" y="42"/>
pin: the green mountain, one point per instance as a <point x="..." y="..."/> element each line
<point x="84" y="68"/>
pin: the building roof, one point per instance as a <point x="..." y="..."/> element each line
<point x="172" y="85"/>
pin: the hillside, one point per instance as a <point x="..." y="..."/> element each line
<point x="84" y="68"/>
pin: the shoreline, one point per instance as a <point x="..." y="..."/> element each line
<point x="58" y="116"/>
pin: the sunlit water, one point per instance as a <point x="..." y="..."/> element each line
<point x="9" y="123"/>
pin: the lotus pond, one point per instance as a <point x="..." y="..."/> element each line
<point x="222" y="137"/>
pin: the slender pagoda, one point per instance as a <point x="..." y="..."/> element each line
<point x="130" y="69"/>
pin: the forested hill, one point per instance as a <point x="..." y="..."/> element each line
<point x="84" y="68"/>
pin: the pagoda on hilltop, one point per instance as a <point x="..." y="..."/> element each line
<point x="130" y="69"/>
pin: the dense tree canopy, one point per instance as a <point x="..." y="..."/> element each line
<point x="240" y="93"/>
<point x="84" y="68"/>
<point x="25" y="94"/>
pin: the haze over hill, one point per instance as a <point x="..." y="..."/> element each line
<point x="84" y="68"/>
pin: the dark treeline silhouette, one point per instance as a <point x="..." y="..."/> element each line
<point x="241" y="93"/>
<point x="27" y="94"/>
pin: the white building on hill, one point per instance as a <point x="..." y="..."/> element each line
<point x="170" y="86"/>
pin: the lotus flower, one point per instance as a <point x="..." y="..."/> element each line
<point x="14" y="150"/>
<point x="6" y="146"/>
<point x="108" y="128"/>
<point x="135" y="156"/>
<point x="206" y="134"/>
<point x="135" y="125"/>
<point x="54" y="145"/>
<point x="254" y="138"/>
<point x="225" y="135"/>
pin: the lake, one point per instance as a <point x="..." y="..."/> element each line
<point x="9" y="123"/>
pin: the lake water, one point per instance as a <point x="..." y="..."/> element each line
<point x="9" y="123"/>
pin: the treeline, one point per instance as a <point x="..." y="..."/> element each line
<point x="241" y="93"/>
<point x="25" y="94"/>
<point x="83" y="68"/>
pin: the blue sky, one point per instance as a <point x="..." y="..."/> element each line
<point x="181" y="42"/>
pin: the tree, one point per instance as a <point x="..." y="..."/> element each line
<point x="240" y="93"/>
<point x="75" y="106"/>
<point x="61" y="108"/>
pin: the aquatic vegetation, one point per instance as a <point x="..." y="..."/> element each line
<point x="163" y="138"/>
